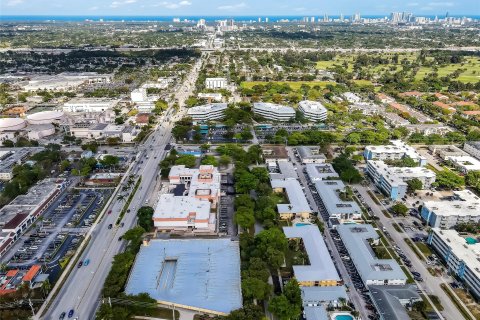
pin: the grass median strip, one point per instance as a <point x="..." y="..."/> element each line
<point x="129" y="200"/>
<point x="414" y="248"/>
<point x="453" y="298"/>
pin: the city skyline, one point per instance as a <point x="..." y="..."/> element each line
<point x="231" y="8"/>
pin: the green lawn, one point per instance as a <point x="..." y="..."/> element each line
<point x="471" y="74"/>
<point x="424" y="248"/>
<point x="295" y="85"/>
<point x="471" y="66"/>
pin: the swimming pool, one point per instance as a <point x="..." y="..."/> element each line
<point x="343" y="317"/>
<point x="301" y="224"/>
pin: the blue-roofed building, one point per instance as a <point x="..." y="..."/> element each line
<point x="197" y="274"/>
<point x="372" y="270"/>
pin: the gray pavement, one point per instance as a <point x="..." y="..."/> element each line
<point x="352" y="292"/>
<point x="431" y="284"/>
<point x="81" y="290"/>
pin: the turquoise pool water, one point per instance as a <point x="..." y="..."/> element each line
<point x="343" y="317"/>
<point x="300" y="224"/>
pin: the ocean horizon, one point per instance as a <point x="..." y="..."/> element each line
<point x="240" y="18"/>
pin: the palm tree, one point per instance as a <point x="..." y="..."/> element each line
<point x="121" y="197"/>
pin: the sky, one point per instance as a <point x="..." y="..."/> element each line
<point x="235" y="7"/>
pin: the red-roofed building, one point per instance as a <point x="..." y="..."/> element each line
<point x="465" y="104"/>
<point x="142" y="119"/>
<point x="444" y="106"/>
<point x="32" y="273"/>
<point x="472" y="114"/>
<point x="415" y="94"/>
<point x="441" y="96"/>
<point x="399" y="107"/>
<point x="384" y="98"/>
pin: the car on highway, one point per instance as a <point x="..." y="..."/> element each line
<point x="80" y="264"/>
<point x="86" y="262"/>
<point x="110" y="226"/>
<point x="110" y="211"/>
<point x="122" y="224"/>
<point x="70" y="313"/>
<point x="62" y="316"/>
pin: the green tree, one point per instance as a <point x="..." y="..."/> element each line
<point x="244" y="217"/>
<point x="400" y="209"/>
<point x="472" y="179"/>
<point x="110" y="161"/>
<point x="244" y="200"/>
<point x="291" y="290"/>
<point x="187" y="160"/>
<point x="224" y="160"/>
<point x="209" y="160"/>
<point x="145" y="215"/>
<point x="283" y="309"/>
<point x="248" y="312"/>
<point x="253" y="288"/>
<point x="414" y="185"/>
<point x="447" y="179"/>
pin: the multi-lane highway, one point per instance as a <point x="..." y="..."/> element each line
<point x="82" y="288"/>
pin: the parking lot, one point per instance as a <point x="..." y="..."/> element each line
<point x="225" y="217"/>
<point x="59" y="230"/>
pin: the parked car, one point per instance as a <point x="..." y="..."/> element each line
<point x="110" y="226"/>
<point x="80" y="264"/>
<point x="62" y="316"/>
<point x="70" y="313"/>
<point x="86" y="262"/>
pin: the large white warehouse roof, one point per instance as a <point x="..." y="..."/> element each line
<point x="44" y="116"/>
<point x="11" y="124"/>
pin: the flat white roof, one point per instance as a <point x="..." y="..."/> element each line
<point x="170" y="206"/>
<point x="355" y="237"/>
<point x="312" y="106"/>
<point x="320" y="171"/>
<point x="296" y="197"/>
<point x="321" y="265"/>
<point x="271" y="107"/>
<point x="465" y="203"/>
<point x="398" y="175"/>
<point x="468" y="162"/>
<point x="329" y="191"/>
<point x="397" y="146"/>
<point x="207" y="108"/>
<point x="469" y="253"/>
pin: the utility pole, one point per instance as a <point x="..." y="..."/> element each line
<point x="31" y="306"/>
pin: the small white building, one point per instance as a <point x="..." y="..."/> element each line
<point x="213" y="96"/>
<point x="89" y="105"/>
<point x="216" y="83"/>
<point x="473" y="148"/>
<point x="313" y="110"/>
<point x="139" y="95"/>
<point x="211" y="111"/>
<point x="275" y="112"/>
<point x="464" y="164"/>
<point x="396" y="151"/>
<point x="181" y="213"/>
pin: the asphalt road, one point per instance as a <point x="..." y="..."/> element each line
<point x="354" y="295"/>
<point x="81" y="290"/>
<point x="431" y="284"/>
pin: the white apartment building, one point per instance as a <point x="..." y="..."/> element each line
<point x="273" y="112"/>
<point x="393" y="180"/>
<point x="464" y="164"/>
<point x="297" y="206"/>
<point x="100" y="131"/>
<point x="211" y="111"/>
<point x="139" y="95"/>
<point x="182" y="213"/>
<point x="473" y="148"/>
<point x="216" y="83"/>
<point x="396" y="151"/>
<point x="204" y="182"/>
<point x="89" y="105"/>
<point x="372" y="270"/>
<point x="462" y="207"/>
<point x="308" y="154"/>
<point x="460" y="255"/>
<point x="333" y="201"/>
<point x="313" y="110"/>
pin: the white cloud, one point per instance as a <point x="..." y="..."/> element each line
<point x="233" y="6"/>
<point x="116" y="4"/>
<point x="173" y="5"/>
<point x="441" y="4"/>
<point x="13" y="3"/>
<point x="299" y="9"/>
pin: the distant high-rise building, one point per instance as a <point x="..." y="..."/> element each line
<point x="176" y="20"/>
<point x="266" y="19"/>
<point x="325" y="17"/>
<point x="401" y="17"/>
<point x="201" y="24"/>
<point x="356" y="17"/>
<point x="259" y="19"/>
<point x="341" y="17"/>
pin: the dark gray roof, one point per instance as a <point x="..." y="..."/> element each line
<point x="390" y="300"/>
